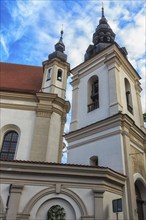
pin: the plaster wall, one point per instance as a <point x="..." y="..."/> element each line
<point x="108" y="149"/>
<point x="27" y="193"/>
<point x="87" y="197"/>
<point x="25" y="122"/>
<point x="107" y="206"/>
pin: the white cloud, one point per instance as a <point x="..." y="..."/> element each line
<point x="4" y="46"/>
<point x="43" y="20"/>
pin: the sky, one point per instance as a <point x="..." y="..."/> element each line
<point x="31" y="28"/>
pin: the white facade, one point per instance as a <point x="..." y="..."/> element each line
<point x="112" y="94"/>
<point x="24" y="125"/>
<point x="42" y="186"/>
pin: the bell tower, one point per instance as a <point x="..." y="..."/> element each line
<point x="107" y="127"/>
<point x="105" y="83"/>
<point x="51" y="108"/>
<point x="56" y="70"/>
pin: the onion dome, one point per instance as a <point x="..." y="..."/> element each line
<point x="59" y="50"/>
<point x="102" y="38"/>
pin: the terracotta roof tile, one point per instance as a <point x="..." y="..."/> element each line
<point x="18" y="77"/>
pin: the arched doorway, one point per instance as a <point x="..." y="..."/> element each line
<point x="140" y="203"/>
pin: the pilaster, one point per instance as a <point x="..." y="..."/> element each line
<point x="129" y="173"/>
<point x="98" y="204"/>
<point x="114" y="85"/>
<point x="75" y="93"/>
<point x="138" y="90"/>
<point x="41" y="130"/>
<point x="13" y="204"/>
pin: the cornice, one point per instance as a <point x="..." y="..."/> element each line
<point x="40" y="102"/>
<point x="18" y="107"/>
<point x="73" y="174"/>
<point x="52" y="103"/>
<point x="126" y="64"/>
<point x="109" y="55"/>
<point x="91" y="139"/>
<point x="18" y="96"/>
<point x="96" y="127"/>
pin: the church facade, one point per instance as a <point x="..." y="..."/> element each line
<point x="105" y="173"/>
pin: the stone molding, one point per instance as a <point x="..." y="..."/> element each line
<point x="18" y="107"/>
<point x="45" y="192"/>
<point x="108" y="56"/>
<point x="16" y="188"/>
<point x="95" y="175"/>
<point x="48" y="103"/>
<point x="44" y="102"/>
<point x="123" y="122"/>
<point x="18" y="96"/>
<point x="94" y="128"/>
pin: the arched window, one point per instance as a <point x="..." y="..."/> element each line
<point x="49" y="74"/>
<point x="128" y="96"/>
<point x="59" y="75"/>
<point x="93" y="93"/>
<point x="56" y="212"/>
<point x="94" y="161"/>
<point x="9" y="145"/>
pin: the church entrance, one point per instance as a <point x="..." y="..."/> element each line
<point x="139" y="202"/>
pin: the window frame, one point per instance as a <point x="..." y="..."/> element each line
<point x="59" y="75"/>
<point x="49" y="71"/>
<point x="7" y="144"/>
<point x="128" y="95"/>
<point x="93" y="97"/>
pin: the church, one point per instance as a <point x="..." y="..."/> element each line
<point x="105" y="174"/>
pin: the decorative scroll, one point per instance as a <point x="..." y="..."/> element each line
<point x="56" y="212"/>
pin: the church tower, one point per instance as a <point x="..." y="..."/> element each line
<point x="107" y="127"/>
<point x="108" y="81"/>
<point x="52" y="107"/>
<point x="56" y="71"/>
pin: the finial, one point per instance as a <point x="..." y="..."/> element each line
<point x="61" y="31"/>
<point x="102" y="10"/>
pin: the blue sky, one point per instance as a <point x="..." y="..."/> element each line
<point x="30" y="28"/>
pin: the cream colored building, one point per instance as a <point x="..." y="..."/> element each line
<point x="106" y="142"/>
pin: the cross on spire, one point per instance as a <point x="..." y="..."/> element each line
<point x="102" y="9"/>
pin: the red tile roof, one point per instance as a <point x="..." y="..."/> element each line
<point x="20" y="78"/>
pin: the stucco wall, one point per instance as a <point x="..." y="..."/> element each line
<point x="25" y="122"/>
<point x="108" y="149"/>
<point x="107" y="206"/>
